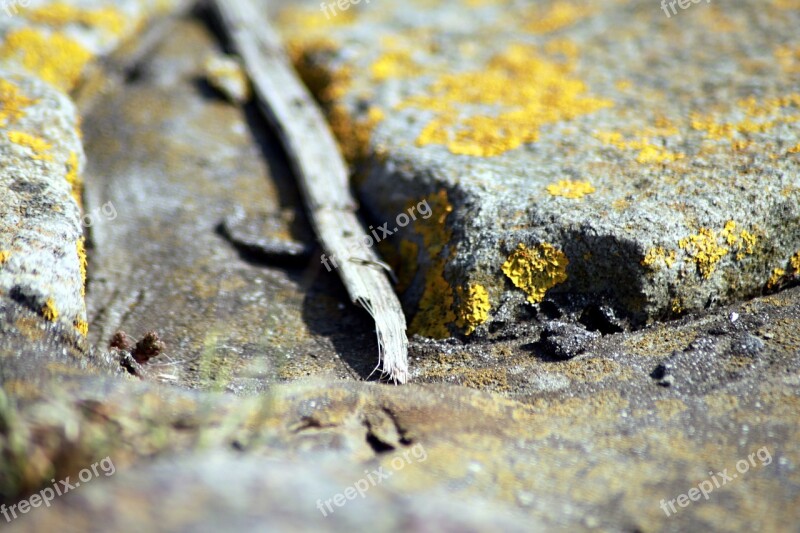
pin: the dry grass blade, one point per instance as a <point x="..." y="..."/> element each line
<point x="322" y="174"/>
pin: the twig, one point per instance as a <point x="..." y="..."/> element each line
<point x="322" y="174"/>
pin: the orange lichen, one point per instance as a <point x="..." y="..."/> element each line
<point x="49" y="311"/>
<point x="474" y="309"/>
<point x="60" y="14"/>
<point x="55" y="58"/>
<point x="36" y="144"/>
<point x="524" y="91"/>
<point x="12" y="103"/>
<point x="536" y="270"/>
<point x="570" y="189"/>
<point x="4" y="255"/>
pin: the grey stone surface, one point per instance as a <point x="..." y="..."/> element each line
<point x="596" y="441"/>
<point x="41" y="237"/>
<point x="210" y="492"/>
<point x="677" y="137"/>
<point x="209" y="246"/>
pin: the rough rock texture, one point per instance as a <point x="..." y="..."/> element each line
<point x="42" y="257"/>
<point x="202" y="203"/>
<point x="595" y="153"/>
<point x="45" y="47"/>
<point x="572" y="424"/>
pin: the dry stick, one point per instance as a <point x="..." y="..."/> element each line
<point x="323" y="176"/>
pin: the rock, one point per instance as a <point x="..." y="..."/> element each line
<point x="42" y="253"/>
<point x="568" y="148"/>
<point x="210" y="247"/>
<point x="264" y="236"/>
<point x="223" y="491"/>
<point x="225" y="74"/>
<point x="564" y="341"/>
<point x="596" y="441"/>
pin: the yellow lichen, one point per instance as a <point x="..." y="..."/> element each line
<point x="74" y="179"/>
<point x="409" y="254"/>
<point x="794" y="261"/>
<point x="305" y="21"/>
<point x="744" y="242"/>
<point x="649" y="152"/>
<point x="525" y="91"/>
<point x="394" y="64"/>
<point x="36" y="144"/>
<point x="435" y="308"/>
<point x="623" y="85"/>
<point x="704" y="250"/>
<point x="329" y="86"/>
<point x="354" y="135"/>
<point x="707" y="247"/>
<point x="570" y="189"/>
<point x="58" y="14"/>
<point x="55" y="58"/>
<point x="558" y="15"/>
<point x="794" y="149"/>
<point x="4" y="255"/>
<point x="12" y="103"/>
<point x="788" y="58"/>
<point x="82" y="262"/>
<point x="536" y="270"/>
<point x="474" y="309"/>
<point x="654" y="255"/>
<point x="761" y="117"/>
<point x="49" y="311"/>
<point x="82" y="327"/>
<point x="677" y="305"/>
<point x="775" y="278"/>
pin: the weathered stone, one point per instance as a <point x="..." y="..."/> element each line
<point x="594" y="153"/>
<point x="593" y="442"/>
<point x="209" y="246"/>
<point x="42" y="256"/>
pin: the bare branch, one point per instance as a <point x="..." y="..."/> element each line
<point x="322" y="174"/>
